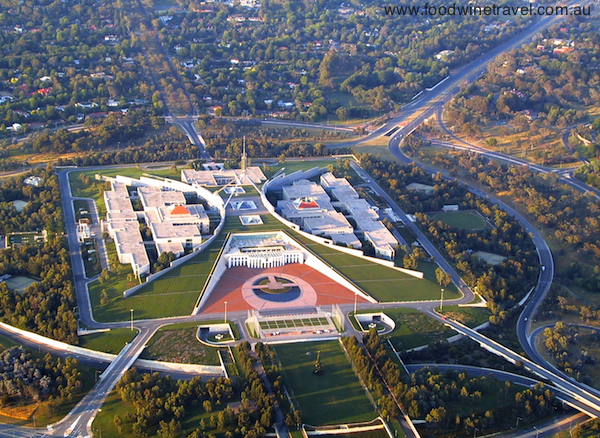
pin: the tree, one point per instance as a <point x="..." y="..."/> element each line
<point x="318" y="367"/>
<point x="442" y="277"/>
<point x="410" y="261"/>
<point x="104" y="298"/>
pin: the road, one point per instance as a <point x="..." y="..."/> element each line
<point x="468" y="295"/>
<point x="566" y="175"/>
<point x="79" y="420"/>
<point x="187" y="124"/>
<point x="442" y="93"/>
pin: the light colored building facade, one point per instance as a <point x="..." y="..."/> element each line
<point x="175" y="226"/>
<point x="306" y="204"/>
<point x="221" y="177"/>
<point x="346" y="199"/>
<point x="123" y="226"/>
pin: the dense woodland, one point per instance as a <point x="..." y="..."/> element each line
<point x="560" y="340"/>
<point x="161" y="404"/>
<point x="549" y="83"/>
<point x="448" y="402"/>
<point x="46" y="307"/>
<point x="589" y="174"/>
<point x="24" y="379"/>
<point x="570" y="217"/>
<point x="502" y="285"/>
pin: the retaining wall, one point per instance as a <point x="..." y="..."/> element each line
<point x="179" y="367"/>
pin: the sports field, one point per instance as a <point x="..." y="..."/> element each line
<point x="335" y="396"/>
<point x="461" y="219"/>
<point x="491" y="258"/>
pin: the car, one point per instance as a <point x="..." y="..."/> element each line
<point x="525" y="319"/>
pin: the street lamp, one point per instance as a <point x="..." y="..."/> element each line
<point x="517" y="425"/>
<point x="225" y="312"/>
<point x="442" y="300"/>
<point x="476" y="429"/>
<point x="537" y="432"/>
<point x="131" y="310"/>
<point x="355" y="298"/>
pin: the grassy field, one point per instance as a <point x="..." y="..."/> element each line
<point x="292" y="166"/>
<point x="180" y="345"/>
<point x="376" y="147"/>
<point x="333" y="397"/>
<point x="108" y="342"/>
<point x="383" y="283"/>
<point x="461" y="219"/>
<point x="413" y="328"/>
<point x="469" y="316"/>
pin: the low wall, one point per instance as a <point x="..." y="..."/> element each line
<point x="212" y="370"/>
<point x="346" y="430"/>
<point x="215" y="276"/>
<point x="295" y="176"/>
<point x="108" y="357"/>
<point x="368" y="317"/>
<point x="452" y="339"/>
<point x="216" y="328"/>
<point x="84" y="332"/>
<point x="92" y="354"/>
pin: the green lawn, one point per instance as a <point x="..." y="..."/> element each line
<point x="108" y="342"/>
<point x="334" y="397"/>
<point x="469" y="316"/>
<point x="382" y="283"/>
<point x="461" y="219"/>
<point x="413" y="328"/>
<point x="176" y="293"/>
